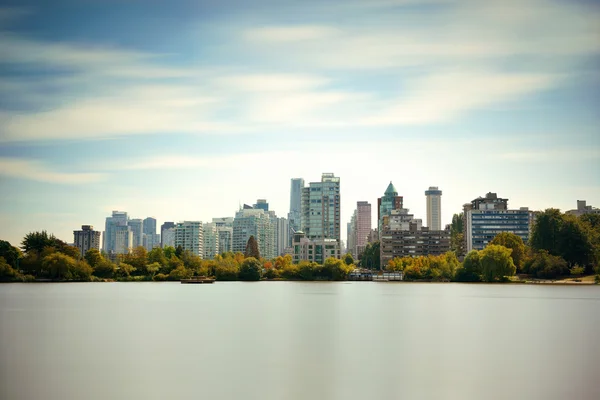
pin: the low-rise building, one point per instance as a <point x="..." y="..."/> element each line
<point x="583" y="208"/>
<point x="317" y="250"/>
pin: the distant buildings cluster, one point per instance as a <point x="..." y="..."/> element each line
<point x="312" y="231"/>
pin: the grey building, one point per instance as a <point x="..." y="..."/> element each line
<point x="163" y="228"/>
<point x="118" y="218"/>
<point x="321" y="209"/>
<point x="295" y="214"/>
<point x="137" y="227"/>
<point x="190" y="236"/>
<point x="87" y="238"/>
<point x="254" y="222"/>
<point x="434" y="208"/>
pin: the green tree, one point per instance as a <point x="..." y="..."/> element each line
<point x="125" y="270"/>
<point x="179" y="251"/>
<point x="546" y="231"/>
<point x="471" y="269"/>
<point x="153" y="268"/>
<point x="545" y="265"/>
<point x="36" y="242"/>
<point x="306" y="270"/>
<point x="252" y="248"/>
<point x="335" y="269"/>
<point x="81" y="271"/>
<point x="156" y="255"/>
<point x="456" y="234"/>
<point x="513" y="242"/>
<point x="58" y="265"/>
<point x="93" y="257"/>
<point x="348" y="259"/>
<point x="105" y="269"/>
<point x="180" y="273"/>
<point x="574" y="242"/>
<point x="7" y="273"/>
<point x="251" y="269"/>
<point x="10" y="253"/>
<point x="169" y="251"/>
<point x="496" y="263"/>
<point x="371" y="258"/>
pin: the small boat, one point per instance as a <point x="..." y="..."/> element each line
<point x="198" y="279"/>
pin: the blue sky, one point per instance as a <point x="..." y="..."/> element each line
<point x="184" y="109"/>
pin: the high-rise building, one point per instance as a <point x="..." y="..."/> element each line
<point x="390" y="201"/>
<point x="118" y="218"/>
<point x="211" y="240"/>
<point x="168" y="237"/>
<point x="295" y="214"/>
<point x="351" y="235"/>
<point x="254" y="222"/>
<point x="149" y="225"/>
<point x="404" y="236"/>
<point x="283" y="235"/>
<point x="123" y="239"/>
<point x="363" y="226"/>
<point x="321" y="209"/>
<point x="137" y="227"/>
<point x="486" y="217"/>
<point x="87" y="238"/>
<point x="261" y="204"/>
<point x="189" y="235"/>
<point x="225" y="228"/>
<point x="163" y="228"/>
<point x="434" y="208"/>
<point x="151" y="240"/>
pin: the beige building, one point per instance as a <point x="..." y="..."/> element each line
<point x="317" y="250"/>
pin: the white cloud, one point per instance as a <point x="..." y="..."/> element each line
<point x="37" y="171"/>
<point x="284" y="34"/>
<point x="271" y="82"/>
<point x="444" y="96"/>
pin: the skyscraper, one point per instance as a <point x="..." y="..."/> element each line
<point x="225" y="228"/>
<point x="163" y="228"/>
<point x="261" y="204"/>
<point x="363" y="226"/>
<point x="118" y="218"/>
<point x="390" y="201"/>
<point x="321" y="208"/>
<point x="137" y="227"/>
<point x="254" y="222"/>
<point x="149" y="225"/>
<point x="87" y="238"/>
<point x="295" y="216"/>
<point x="283" y="235"/>
<point x="211" y="240"/>
<point x="189" y="235"/>
<point x="434" y="208"/>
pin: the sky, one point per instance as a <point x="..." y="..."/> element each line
<point x="183" y="110"/>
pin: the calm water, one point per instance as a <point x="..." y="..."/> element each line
<point x="286" y="340"/>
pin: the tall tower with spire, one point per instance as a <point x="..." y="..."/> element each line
<point x="390" y="201"/>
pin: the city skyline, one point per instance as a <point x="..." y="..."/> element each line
<point x="182" y="111"/>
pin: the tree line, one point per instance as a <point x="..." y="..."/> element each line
<point x="43" y="256"/>
<point x="560" y="245"/>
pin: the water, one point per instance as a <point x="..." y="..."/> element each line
<point x="287" y="340"/>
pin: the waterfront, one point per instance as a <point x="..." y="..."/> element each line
<point x="295" y="340"/>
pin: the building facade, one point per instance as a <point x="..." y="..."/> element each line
<point x="283" y="235"/>
<point x="149" y="226"/>
<point x="317" y="250"/>
<point x="137" y="227"/>
<point x="486" y="217"/>
<point x="87" y="238"/>
<point x="163" y="228"/>
<point x="123" y="240"/>
<point x="225" y="228"/>
<point x="434" y="208"/>
<point x="211" y="240"/>
<point x="167" y="238"/>
<point x="254" y="222"/>
<point x="190" y="236"/>
<point x="109" y="240"/>
<point x="404" y="236"/>
<point x="321" y="209"/>
<point x="295" y="214"/>
<point x="390" y="201"/>
<point x="363" y="227"/>
<point x="583" y="208"/>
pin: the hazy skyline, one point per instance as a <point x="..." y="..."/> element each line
<point x="182" y="110"/>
